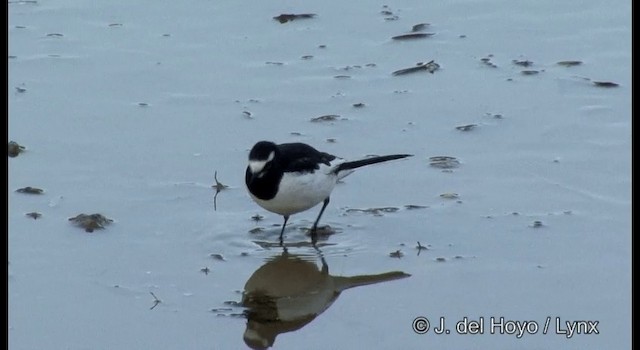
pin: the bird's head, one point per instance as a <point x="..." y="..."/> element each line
<point x="261" y="157"/>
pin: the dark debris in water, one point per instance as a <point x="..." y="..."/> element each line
<point x="356" y="66"/>
<point x="450" y="195"/>
<point x="467" y="127"/>
<point x="444" y="162"/>
<point x="288" y="17"/>
<point x="91" y="222"/>
<point x="218" y="186"/>
<point x="523" y="63"/>
<point x="34" y="215"/>
<point x="421" y="247"/>
<point x="388" y="13"/>
<point x="415" y="206"/>
<point x="605" y="84"/>
<point x="529" y="72"/>
<point x="569" y="63"/>
<point x="15" y="149"/>
<point x="222" y="309"/>
<point x="358" y="105"/>
<point x="487" y="61"/>
<point x="374" y="211"/>
<point x="419" y="27"/>
<point x="256" y="230"/>
<point x="397" y="254"/>
<point x="325" y="118"/>
<point x="602" y="84"/>
<point x="412" y="36"/>
<point x="30" y="190"/>
<point x="233" y="315"/>
<point x="537" y="224"/>
<point x="494" y="116"/>
<point x="430" y="67"/>
<point x="156" y="301"/>
<point x="216" y="256"/>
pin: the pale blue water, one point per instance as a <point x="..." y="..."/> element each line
<point x="131" y="110"/>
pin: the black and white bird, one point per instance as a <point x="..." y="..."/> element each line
<point x="290" y="178"/>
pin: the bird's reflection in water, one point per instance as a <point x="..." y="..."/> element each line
<point x="289" y="291"/>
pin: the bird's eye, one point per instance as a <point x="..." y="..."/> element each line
<point x="264" y="170"/>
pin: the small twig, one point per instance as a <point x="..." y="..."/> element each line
<point x="219" y="187"/>
<point x="420" y="248"/>
<point x="156" y="301"/>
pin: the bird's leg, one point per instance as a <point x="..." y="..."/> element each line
<point x="286" y="218"/>
<point x="325" y="267"/>
<point x="315" y="224"/>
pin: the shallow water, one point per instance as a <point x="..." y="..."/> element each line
<point x="127" y="109"/>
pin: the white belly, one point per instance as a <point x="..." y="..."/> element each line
<point x="300" y="191"/>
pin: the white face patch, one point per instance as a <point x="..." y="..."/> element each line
<point x="271" y="155"/>
<point x="256" y="166"/>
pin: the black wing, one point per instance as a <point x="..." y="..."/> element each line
<point x="302" y="157"/>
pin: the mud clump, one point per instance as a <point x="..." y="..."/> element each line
<point x="91" y="222"/>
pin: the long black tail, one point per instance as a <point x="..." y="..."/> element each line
<point x="368" y="161"/>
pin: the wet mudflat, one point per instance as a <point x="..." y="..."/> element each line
<point x="129" y="224"/>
